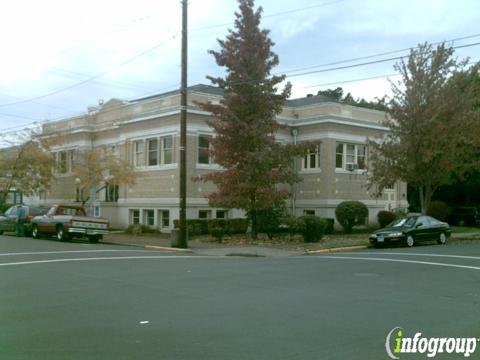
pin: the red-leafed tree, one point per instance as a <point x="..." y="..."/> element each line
<point x="254" y="163"/>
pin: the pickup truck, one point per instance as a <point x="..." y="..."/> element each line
<point x="68" y="221"/>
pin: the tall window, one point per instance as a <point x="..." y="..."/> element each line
<point x="139" y="149"/>
<point x="339" y="156"/>
<point x="167" y="149"/>
<point x="350" y="156"/>
<point x="204" y="147"/>
<point x="312" y="159"/>
<point x="165" y="214"/>
<point x="152" y="145"/>
<point x="149" y="217"/>
<point x="111" y="193"/>
<point x="135" y="216"/>
<point x="64" y="161"/>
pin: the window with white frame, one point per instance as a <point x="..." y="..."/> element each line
<point x="64" y="161"/>
<point x="134" y="216"/>
<point x="149" y="217"/>
<point x="350" y="156"/>
<point x="152" y="151"/>
<point x="204" y="149"/>
<point x="139" y="153"/>
<point x="221" y="214"/>
<point x="167" y="149"/>
<point x="165" y="218"/>
<point x="308" y="212"/>
<point x="312" y="159"/>
<point x="204" y="214"/>
<point x="156" y="151"/>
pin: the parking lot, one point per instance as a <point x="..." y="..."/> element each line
<point x="83" y="301"/>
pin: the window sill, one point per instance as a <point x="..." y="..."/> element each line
<point x="310" y="171"/>
<point x="356" y="172"/>
<point x="208" y="167"/>
<point x="157" y="167"/>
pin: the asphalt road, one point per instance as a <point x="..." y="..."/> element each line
<point x="82" y="301"/>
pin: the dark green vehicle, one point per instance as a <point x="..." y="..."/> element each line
<point x="412" y="230"/>
<point x="8" y="220"/>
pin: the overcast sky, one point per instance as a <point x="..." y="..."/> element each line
<point x="58" y="57"/>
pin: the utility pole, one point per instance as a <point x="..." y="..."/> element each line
<point x="182" y="239"/>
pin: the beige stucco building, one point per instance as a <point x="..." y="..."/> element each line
<point x="146" y="133"/>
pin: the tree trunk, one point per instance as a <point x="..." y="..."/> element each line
<point x="425" y="197"/>
<point x="254" y="224"/>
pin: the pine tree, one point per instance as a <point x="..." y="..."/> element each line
<point x="244" y="121"/>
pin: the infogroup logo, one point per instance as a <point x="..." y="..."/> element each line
<point x="397" y="343"/>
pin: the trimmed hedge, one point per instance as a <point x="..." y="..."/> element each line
<point x="140" y="229"/>
<point x="312" y="228"/>
<point x="351" y="213"/>
<point x="329" y="225"/>
<point x="385" y="217"/>
<point x="197" y="227"/>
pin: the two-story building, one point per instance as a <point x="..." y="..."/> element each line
<point x="146" y="132"/>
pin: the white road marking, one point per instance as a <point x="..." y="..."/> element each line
<point x="68" y="252"/>
<point x="106" y="258"/>
<point x="419" y="254"/>
<point x="398" y="260"/>
<point x="144" y="322"/>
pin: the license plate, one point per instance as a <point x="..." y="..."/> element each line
<point x="380" y="238"/>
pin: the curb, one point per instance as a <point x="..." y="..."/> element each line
<point x="153" y="247"/>
<point x="339" y="249"/>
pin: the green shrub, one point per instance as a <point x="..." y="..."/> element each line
<point x="351" y="213"/>
<point x="329" y="225"/>
<point x="4" y="207"/>
<point x="385" y="217"/>
<point x="292" y="225"/>
<point x="195" y="227"/>
<point x="218" y="228"/>
<point x="312" y="228"/>
<point x="237" y="226"/>
<point x="138" y="229"/>
<point x="269" y="221"/>
<point x="400" y="213"/>
<point x="439" y="210"/>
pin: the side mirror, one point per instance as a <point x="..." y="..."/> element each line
<point x="418" y="225"/>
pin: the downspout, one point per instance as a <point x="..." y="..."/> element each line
<point x="294" y="132"/>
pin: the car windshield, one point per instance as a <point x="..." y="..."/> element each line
<point x="408" y="222"/>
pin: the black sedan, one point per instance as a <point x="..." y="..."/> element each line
<point x="411" y="230"/>
<point x="8" y="221"/>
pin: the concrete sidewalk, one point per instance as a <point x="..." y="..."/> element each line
<point x="163" y="243"/>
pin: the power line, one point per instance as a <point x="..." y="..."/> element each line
<point x="363" y="79"/>
<point x="350" y="81"/>
<point x="379" y="54"/>
<point x="37" y="122"/>
<point x="91" y="78"/>
<point x="367" y="63"/>
<point x="271" y="15"/>
<point x="143" y="53"/>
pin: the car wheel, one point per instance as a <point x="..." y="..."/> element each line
<point x="35" y="233"/>
<point x="442" y="240"/>
<point x="60" y="234"/>
<point x="410" y="241"/>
